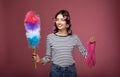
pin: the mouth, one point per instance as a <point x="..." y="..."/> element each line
<point x="59" y="25"/>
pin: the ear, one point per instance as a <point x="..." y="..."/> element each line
<point x="67" y="26"/>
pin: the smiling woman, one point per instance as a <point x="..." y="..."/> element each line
<point x="99" y="18"/>
<point x="60" y="45"/>
<point x="62" y="22"/>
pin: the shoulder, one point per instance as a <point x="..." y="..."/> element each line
<point x="50" y="35"/>
<point x="74" y="35"/>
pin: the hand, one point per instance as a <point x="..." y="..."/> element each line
<point x="35" y="57"/>
<point x="41" y="61"/>
<point x="92" y="39"/>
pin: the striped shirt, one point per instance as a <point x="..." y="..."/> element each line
<point x="59" y="49"/>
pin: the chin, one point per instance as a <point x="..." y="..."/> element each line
<point x="60" y="28"/>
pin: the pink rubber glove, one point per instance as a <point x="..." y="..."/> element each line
<point x="91" y="58"/>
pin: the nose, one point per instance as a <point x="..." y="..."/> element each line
<point x="58" y="21"/>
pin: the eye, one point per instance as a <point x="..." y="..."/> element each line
<point x="62" y="19"/>
<point x="57" y="19"/>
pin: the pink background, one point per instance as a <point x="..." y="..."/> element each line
<point x="99" y="18"/>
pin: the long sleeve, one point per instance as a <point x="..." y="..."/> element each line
<point x="81" y="47"/>
<point x="48" y="51"/>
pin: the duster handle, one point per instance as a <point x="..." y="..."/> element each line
<point x="35" y="51"/>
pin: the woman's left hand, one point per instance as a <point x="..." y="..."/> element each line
<point x="92" y="39"/>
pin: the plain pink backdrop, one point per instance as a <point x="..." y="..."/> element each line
<point x="99" y="18"/>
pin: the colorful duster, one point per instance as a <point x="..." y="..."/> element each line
<point x="32" y="26"/>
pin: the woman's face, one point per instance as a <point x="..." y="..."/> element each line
<point x="60" y="22"/>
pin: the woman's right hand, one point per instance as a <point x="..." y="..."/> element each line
<point x="35" y="57"/>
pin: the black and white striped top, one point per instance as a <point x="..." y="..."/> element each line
<point x="59" y="49"/>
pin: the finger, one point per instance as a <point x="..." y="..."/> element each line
<point x="33" y="60"/>
<point x="34" y="57"/>
<point x="34" y="54"/>
<point x="92" y="39"/>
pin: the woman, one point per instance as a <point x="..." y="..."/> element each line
<point x="60" y="45"/>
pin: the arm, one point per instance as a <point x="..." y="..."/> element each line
<point x="81" y="47"/>
<point x="47" y="57"/>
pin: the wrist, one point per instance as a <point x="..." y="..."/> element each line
<point x="91" y="42"/>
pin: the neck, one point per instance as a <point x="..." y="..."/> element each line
<point x="62" y="32"/>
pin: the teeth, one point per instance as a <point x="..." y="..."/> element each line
<point x="60" y="25"/>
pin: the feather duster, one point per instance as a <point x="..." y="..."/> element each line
<point x="32" y="27"/>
